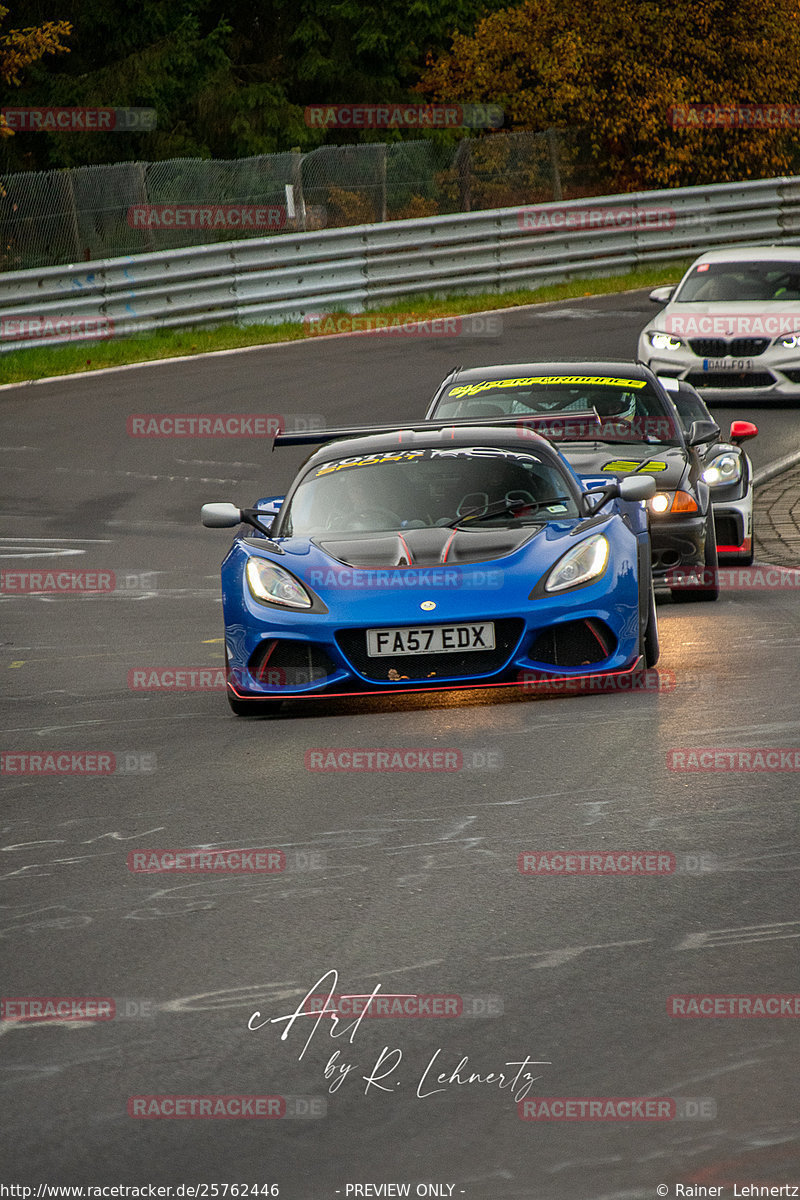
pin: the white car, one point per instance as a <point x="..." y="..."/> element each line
<point x="731" y="328"/>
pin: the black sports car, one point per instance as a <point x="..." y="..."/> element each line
<point x="610" y="419"/>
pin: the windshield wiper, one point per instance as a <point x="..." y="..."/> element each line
<point x="499" y="507"/>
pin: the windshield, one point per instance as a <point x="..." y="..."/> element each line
<point x="766" y="282"/>
<point x="417" y="489"/>
<point x="568" y="408"/>
<point x="690" y="408"/>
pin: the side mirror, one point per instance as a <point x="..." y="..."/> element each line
<point x="220" y="516"/>
<point x="637" y="487"/>
<point x="632" y="487"/>
<point x="742" y="430"/>
<point x="702" y="431"/>
<point x="662" y="295"/>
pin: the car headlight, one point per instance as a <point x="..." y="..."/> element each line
<point x="664" y="341"/>
<point x="788" y="341"/>
<point x="725" y="468"/>
<point x="273" y="585"/>
<point x="672" y="502"/>
<point x="583" y="562"/>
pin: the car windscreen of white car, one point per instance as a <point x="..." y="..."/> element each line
<point x="718" y="282"/>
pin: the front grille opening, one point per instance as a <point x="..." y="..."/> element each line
<point x="401" y="668"/>
<point x="729" y="529"/>
<point x="732" y="379"/>
<point x="792" y="375"/>
<point x="735" y="348"/>
<point x="283" y="662"/>
<point x="574" y="644"/>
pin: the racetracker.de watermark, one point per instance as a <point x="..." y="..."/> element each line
<point x="401" y="758"/>
<point x="649" y="680"/>
<point x="744" y="1005"/>
<point x="80" y="120"/>
<point x="404" y="1004"/>
<point x="79" y="762"/>
<point x="402" y="325"/>
<point x="404" y="116"/>
<point x="755" y="323"/>
<point x="255" y="862"/>
<point x="734" y="116"/>
<point x="556" y="218"/>
<point x="411" y="577"/>
<point x="735" y="579"/>
<point x="207" y="216"/>
<point x="221" y="425"/>
<point x="44" y="327"/>
<point x="57" y="582"/>
<point x="75" y="1008"/>
<point x="225" y="1107"/>
<point x="212" y="679"/>
<point x="605" y="862"/>
<point x="618" y="1108"/>
<point x="548" y="863"/>
<point x="739" y="758"/>
<point x="637" y="429"/>
<point x="57" y="1008"/>
<point x="176" y="679"/>
<point x="218" y="860"/>
<point x="710" y="1005"/>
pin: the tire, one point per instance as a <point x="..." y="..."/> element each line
<point x="254" y="708"/>
<point x="651" y="648"/>
<point x="710" y="571"/>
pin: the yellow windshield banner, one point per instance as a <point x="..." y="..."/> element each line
<point x="474" y="389"/>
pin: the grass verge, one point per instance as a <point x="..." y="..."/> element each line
<point x="43" y="362"/>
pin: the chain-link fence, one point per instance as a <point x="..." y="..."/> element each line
<point x="84" y="213"/>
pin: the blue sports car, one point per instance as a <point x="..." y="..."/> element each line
<point x="453" y="555"/>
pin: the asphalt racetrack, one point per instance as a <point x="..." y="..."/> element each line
<point x="404" y="880"/>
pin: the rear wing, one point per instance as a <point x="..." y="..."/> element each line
<point x="544" y="424"/>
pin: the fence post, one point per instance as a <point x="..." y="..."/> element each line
<point x="297" y="187"/>
<point x="552" y="142"/>
<point x="380" y="205"/>
<point x="151" y="241"/>
<point x="73" y="212"/>
<point x="463" y="165"/>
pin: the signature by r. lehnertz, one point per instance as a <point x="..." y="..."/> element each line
<point x="385" y="1073"/>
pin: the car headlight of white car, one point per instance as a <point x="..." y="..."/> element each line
<point x="579" y="565"/>
<point x="664" y="341"/>
<point x="788" y="341"/>
<point x="272" y="585"/>
<point x="725" y="468"/>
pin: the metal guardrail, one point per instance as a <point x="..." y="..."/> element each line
<point x="270" y="280"/>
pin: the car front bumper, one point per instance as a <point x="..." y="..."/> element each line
<point x="774" y="373"/>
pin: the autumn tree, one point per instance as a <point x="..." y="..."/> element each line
<point x="613" y="69"/>
<point x="21" y="47"/>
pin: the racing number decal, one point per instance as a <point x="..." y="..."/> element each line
<point x="624" y="464"/>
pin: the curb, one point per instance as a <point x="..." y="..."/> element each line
<point x="775" y="468"/>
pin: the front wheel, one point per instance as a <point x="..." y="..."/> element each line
<point x="651" y="648"/>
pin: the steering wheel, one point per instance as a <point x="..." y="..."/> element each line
<point x="552" y="404"/>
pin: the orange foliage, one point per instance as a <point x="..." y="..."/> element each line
<point x="613" y="68"/>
